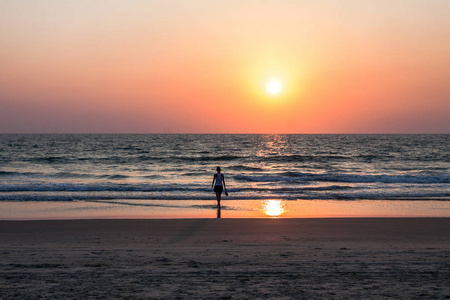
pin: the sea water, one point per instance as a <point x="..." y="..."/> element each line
<point x="169" y="168"/>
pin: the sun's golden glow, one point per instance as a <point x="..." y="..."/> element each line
<point x="273" y="208"/>
<point x="274" y="87"/>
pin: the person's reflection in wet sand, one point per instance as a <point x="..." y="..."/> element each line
<point x="219" y="212"/>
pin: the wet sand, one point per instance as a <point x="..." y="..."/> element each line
<point x="226" y="258"/>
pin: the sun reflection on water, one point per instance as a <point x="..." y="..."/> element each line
<point x="273" y="208"/>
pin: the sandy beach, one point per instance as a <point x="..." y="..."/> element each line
<point x="226" y="258"/>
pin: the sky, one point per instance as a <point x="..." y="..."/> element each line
<point x="136" y="66"/>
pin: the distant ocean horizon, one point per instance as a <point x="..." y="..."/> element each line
<point x="77" y="167"/>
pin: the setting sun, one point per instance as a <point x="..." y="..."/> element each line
<point x="273" y="87"/>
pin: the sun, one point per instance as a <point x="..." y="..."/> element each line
<point x="274" y="87"/>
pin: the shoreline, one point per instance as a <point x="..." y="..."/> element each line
<point x="198" y="209"/>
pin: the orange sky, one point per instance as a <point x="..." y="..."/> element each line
<point x="202" y="66"/>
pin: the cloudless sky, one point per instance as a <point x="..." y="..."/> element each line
<point x="347" y="66"/>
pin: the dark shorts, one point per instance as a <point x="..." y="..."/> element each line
<point x="218" y="189"/>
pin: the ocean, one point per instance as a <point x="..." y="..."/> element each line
<point x="165" y="167"/>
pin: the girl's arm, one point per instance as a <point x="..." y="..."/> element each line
<point x="223" y="180"/>
<point x="214" y="179"/>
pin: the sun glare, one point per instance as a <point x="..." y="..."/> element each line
<point x="273" y="208"/>
<point x="274" y="87"/>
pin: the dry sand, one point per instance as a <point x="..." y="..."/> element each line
<point x="226" y="258"/>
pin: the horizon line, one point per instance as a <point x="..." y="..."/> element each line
<point x="229" y="133"/>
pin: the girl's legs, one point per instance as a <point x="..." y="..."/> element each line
<point x="218" y="197"/>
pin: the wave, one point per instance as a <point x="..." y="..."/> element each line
<point x="114" y="177"/>
<point x="74" y="175"/>
<point x="292" y="177"/>
<point x="205" y="156"/>
<point x="349" y="178"/>
<point x="10" y="173"/>
<point x="301" y="158"/>
<point x="50" y="159"/>
<point x="65" y="187"/>
<point x="244" y="168"/>
<point x="132" y="159"/>
<point x="426" y="196"/>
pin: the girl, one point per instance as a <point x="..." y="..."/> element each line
<point x="218" y="184"/>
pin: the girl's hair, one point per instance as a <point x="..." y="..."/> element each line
<point x="218" y="169"/>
